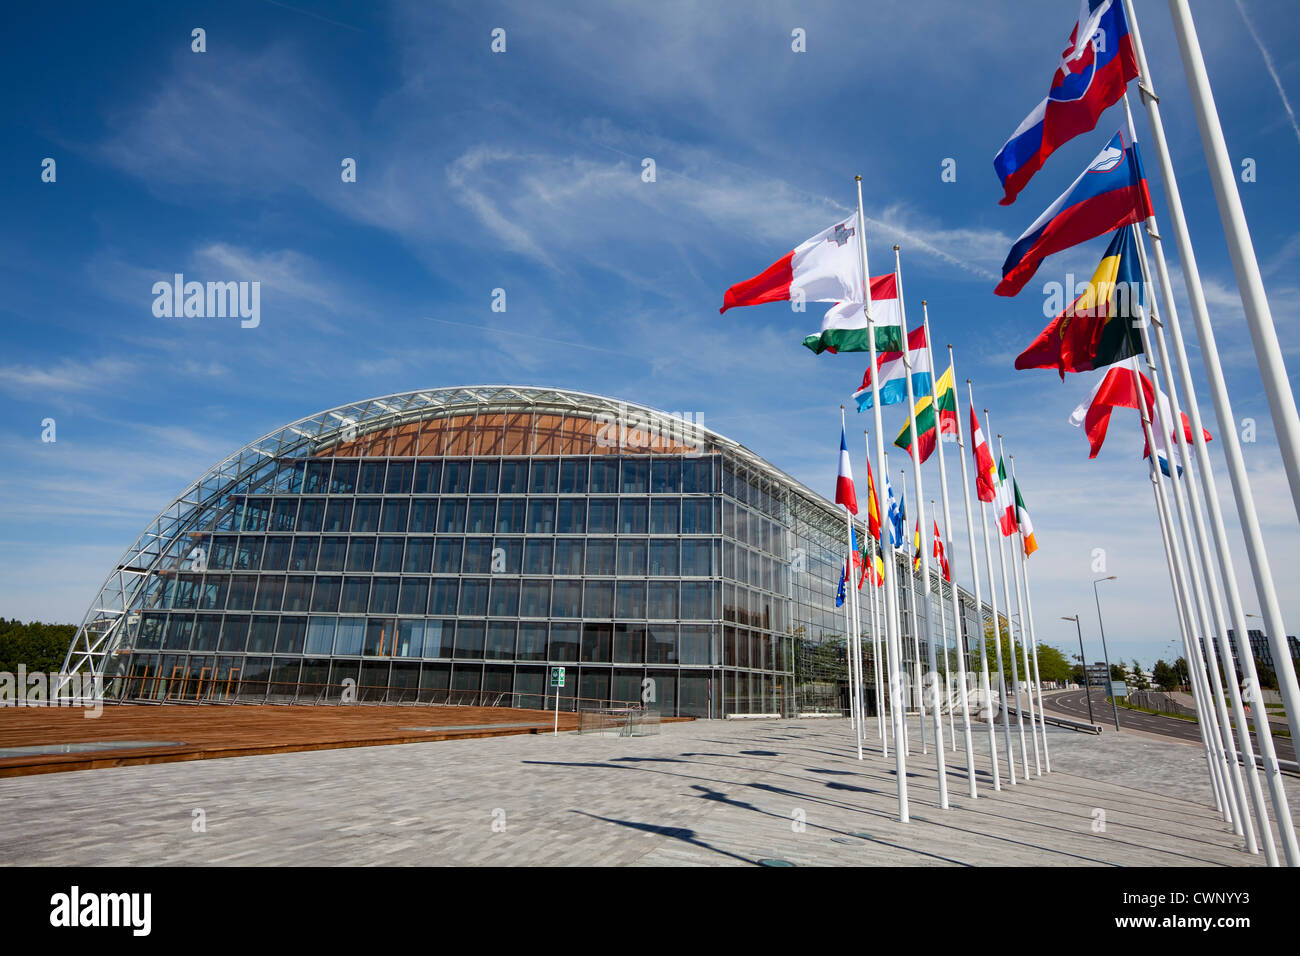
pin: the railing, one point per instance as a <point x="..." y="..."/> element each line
<point x="1159" y="701"/>
<point x="633" y="721"/>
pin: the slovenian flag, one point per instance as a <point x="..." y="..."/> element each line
<point x="844" y="492"/>
<point x="892" y="380"/>
<point x="1112" y="192"/>
<point x="1093" y="73"/>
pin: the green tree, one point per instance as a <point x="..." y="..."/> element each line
<point x="1164" y="676"/>
<point x="1053" y="665"/>
<point x="37" y="646"/>
<point x="1139" y="678"/>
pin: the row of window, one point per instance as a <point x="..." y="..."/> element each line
<point x="507" y="476"/>
<point x="475" y="515"/>
<point x="688" y="557"/>
<point x="590" y="642"/>
<point x="693" y="693"/>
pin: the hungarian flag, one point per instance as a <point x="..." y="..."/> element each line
<point x="844" y="492"/>
<point x="1099" y="327"/>
<point x="1093" y="73"/>
<point x="1004" y="505"/>
<point x="1115" y="389"/>
<point x="1109" y="194"/>
<point x="845" y="329"/>
<point x="892" y="377"/>
<point x="1027" y="538"/>
<point x="873" y="505"/>
<point x="930" y="422"/>
<point x="939" y="554"/>
<point x="986" y="476"/>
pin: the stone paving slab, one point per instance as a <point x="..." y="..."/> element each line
<point x="703" y="793"/>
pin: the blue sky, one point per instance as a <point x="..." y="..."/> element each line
<point x="522" y="171"/>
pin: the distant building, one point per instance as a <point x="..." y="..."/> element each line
<point x="1259" y="647"/>
<point x="1099" y="674"/>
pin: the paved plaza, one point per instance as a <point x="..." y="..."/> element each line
<point x="704" y="793"/>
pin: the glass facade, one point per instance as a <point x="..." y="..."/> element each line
<point x="455" y="554"/>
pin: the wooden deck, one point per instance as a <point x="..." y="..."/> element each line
<point x="200" y="733"/>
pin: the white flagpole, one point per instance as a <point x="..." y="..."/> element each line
<point x="1012" y="629"/>
<point x="1024" y="636"/>
<point x="1277" y="386"/>
<point x="986" y="694"/>
<point x="854" y="718"/>
<point x="1244" y="497"/>
<point x="997" y="629"/>
<point x="943" y="622"/>
<point x="940" y="760"/>
<point x="876" y="618"/>
<point x="1033" y="640"/>
<point x="897" y="614"/>
<point x="1281" y="807"/>
<point x="917" y="692"/>
<point x="950" y="552"/>
<point x="1208" y="714"/>
<point x="900" y="760"/>
<point x="856" y="661"/>
<point x="1200" y="579"/>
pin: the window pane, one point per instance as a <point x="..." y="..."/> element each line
<point x="636" y="476"/>
<point x="665" y="516"/>
<point x="599" y="599"/>
<point x="663" y="557"/>
<point x="571" y="518"/>
<point x="326" y="595"/>
<point x="696" y="516"/>
<point x="356" y="595"/>
<point x="693" y="644"/>
<point x="666" y="475"/>
<point x="365" y="516"/>
<point x="311" y="512"/>
<point x="478" y="556"/>
<point x="379" y="638"/>
<point x="661" y="644"/>
<point x="371" y="479"/>
<point x="600" y="556"/>
<point x="535" y="600"/>
<point x="270" y="592"/>
<point x="500" y="640"/>
<point x="569" y="555"/>
<point x="602" y="517"/>
<point x="438" y="636"/>
<point x="596" y="641"/>
<point x="455" y="477"/>
<point x="604" y="476"/>
<point x="573" y="476"/>
<point x="276" y="555"/>
<point x="338" y="515"/>
<point x="537" y="556"/>
<point x="629" y="643"/>
<point x="415" y="596"/>
<point x="469" y="639"/>
<point x="304" y="553"/>
<point x="567" y="599"/>
<point x="344" y="479"/>
<point x="482" y="515"/>
<point x="350" y="637"/>
<point x="514" y="476"/>
<point x="427" y="476"/>
<point x="393" y="517"/>
<point x="513" y="551"/>
<point x="541" y="516"/>
<point x="473" y="597"/>
<point x="320" y="636"/>
<point x="297" y="592"/>
<point x="663" y="600"/>
<point x="262" y="638"/>
<point x="389" y="555"/>
<point x="631" y="557"/>
<point x="632" y="516"/>
<point x="483" y="477"/>
<point x="505" y="598"/>
<point x="545" y="476"/>
<point x="419" y="555"/>
<point x="361" y="554"/>
<point x="451" y="516"/>
<point x="631" y="599"/>
<point x="564" y="642"/>
<point x="446" y="556"/>
<point x="510" y="516"/>
<point x="424" y="515"/>
<point x="695" y="558"/>
<point x="532" y="642"/>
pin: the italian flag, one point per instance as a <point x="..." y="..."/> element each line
<point x="1026" y="526"/>
<point x="986" y="473"/>
<point x="1004" y="506"/>
<point x="845" y="329"/>
<point x="933" y="416"/>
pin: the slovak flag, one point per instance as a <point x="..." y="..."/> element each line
<point x="1093" y="73"/>
<point x="844" y="492"/>
<point x="1112" y="192"/>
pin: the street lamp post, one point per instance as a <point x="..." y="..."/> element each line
<point x="1083" y="661"/>
<point x="1104" y="653"/>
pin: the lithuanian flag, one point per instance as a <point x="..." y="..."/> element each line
<point x="929" y="423"/>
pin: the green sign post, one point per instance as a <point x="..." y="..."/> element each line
<point x="557" y="681"/>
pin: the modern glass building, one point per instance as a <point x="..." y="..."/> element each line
<point x="453" y="544"/>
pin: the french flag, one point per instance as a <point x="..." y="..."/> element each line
<point x="1094" y="71"/>
<point x="1111" y="193"/>
<point x="844" y="492"/>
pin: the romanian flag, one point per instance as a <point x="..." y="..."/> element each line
<point x="1026" y="526"/>
<point x="933" y="416"/>
<point x="1099" y="327"/>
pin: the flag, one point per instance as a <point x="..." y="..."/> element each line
<point x="875" y="571"/>
<point x="938" y="553"/>
<point x="1099" y="327"/>
<point x="1093" y="73"/>
<point x="895" y="515"/>
<point x="892" y="381"/>
<point x="986" y="477"/>
<point x="873" y="506"/>
<point x="1004" y="507"/>
<point x="1027" y="539"/>
<point x="928" y="423"/>
<point x="1112" y="192"/>
<point x="1115" y="389"/>
<point x="844" y="327"/>
<point x="916" y="547"/>
<point x="825" y="268"/>
<point x="844" y="492"/>
<point x="855" y="557"/>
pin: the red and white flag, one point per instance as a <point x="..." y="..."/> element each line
<point x="1116" y="389"/>
<point x="939" y="552"/>
<point x="986" y="473"/>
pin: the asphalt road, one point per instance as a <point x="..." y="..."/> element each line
<point x="1073" y="704"/>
